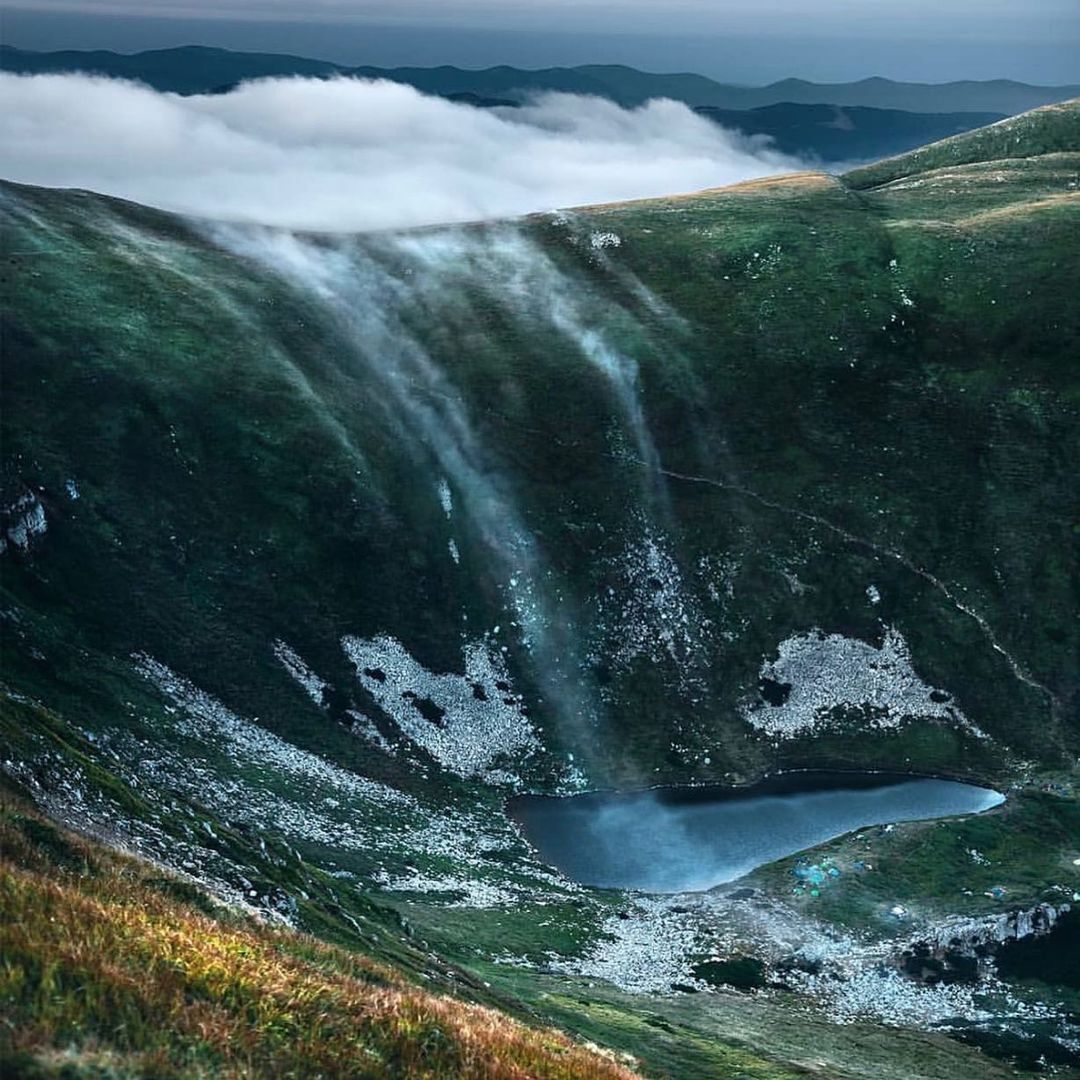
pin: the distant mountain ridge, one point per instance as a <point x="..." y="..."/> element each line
<point x="835" y="133"/>
<point x="198" y="69"/>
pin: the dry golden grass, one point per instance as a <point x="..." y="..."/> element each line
<point x="1021" y="209"/>
<point x="784" y="184"/>
<point x="93" y="958"/>
<point x="787" y="183"/>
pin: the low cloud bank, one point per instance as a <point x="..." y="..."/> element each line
<point x="355" y="154"/>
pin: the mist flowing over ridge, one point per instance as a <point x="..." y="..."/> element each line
<point x="355" y="154"/>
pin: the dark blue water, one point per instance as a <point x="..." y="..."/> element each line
<point x="678" y="840"/>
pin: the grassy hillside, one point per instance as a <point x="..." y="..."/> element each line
<point x="111" y="969"/>
<point x="1053" y="129"/>
<point x="114" y="968"/>
<point x="315" y="548"/>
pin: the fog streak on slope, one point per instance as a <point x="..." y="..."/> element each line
<point x="517" y="273"/>
<point x="353" y="154"/>
<point x="366" y="299"/>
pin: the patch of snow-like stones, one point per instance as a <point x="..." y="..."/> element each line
<point x="648" y="612"/>
<point x="446" y="498"/>
<point x="295" y="666"/>
<point x="830" y="676"/>
<point x="600" y="240"/>
<point x="25" y="523"/>
<point x="480" y="720"/>
<point x="644" y="950"/>
<point x="882" y="993"/>
<point x="473" y="892"/>
<point x="207" y="719"/>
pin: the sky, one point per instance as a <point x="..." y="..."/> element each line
<point x="742" y="41"/>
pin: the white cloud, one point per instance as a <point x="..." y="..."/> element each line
<point x="352" y="154"/>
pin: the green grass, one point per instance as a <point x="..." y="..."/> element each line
<point x="102" y="966"/>
<point x="1025" y="847"/>
<point x="1049" y="130"/>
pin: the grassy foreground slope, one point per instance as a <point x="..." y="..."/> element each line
<point x="115" y="969"/>
<point x="111" y="970"/>
<point x="274" y="507"/>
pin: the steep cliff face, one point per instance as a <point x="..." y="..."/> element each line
<point x="775" y="476"/>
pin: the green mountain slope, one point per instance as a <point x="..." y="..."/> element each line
<point x="1053" y="129"/>
<point x="317" y="547"/>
